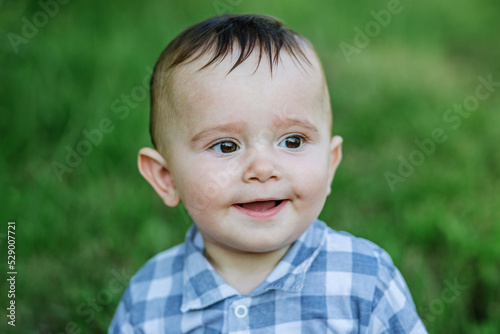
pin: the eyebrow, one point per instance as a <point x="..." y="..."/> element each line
<point x="228" y="127"/>
<point x="277" y="123"/>
<point x="280" y="122"/>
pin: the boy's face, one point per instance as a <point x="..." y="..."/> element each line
<point x="250" y="154"/>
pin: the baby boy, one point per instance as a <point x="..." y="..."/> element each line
<point x="241" y="122"/>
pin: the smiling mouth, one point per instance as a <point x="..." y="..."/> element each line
<point x="260" y="206"/>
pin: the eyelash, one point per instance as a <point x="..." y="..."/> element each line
<point x="225" y="140"/>
<point x="303" y="140"/>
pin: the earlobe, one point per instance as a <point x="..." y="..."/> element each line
<point x="335" y="158"/>
<point x="155" y="170"/>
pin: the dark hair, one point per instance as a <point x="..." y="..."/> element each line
<point x="218" y="36"/>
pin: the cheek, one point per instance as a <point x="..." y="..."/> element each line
<point x="311" y="177"/>
<point x="201" y="186"/>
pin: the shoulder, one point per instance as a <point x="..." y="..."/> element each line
<point x="364" y="256"/>
<point x="351" y="266"/>
<point x="363" y="259"/>
<point x="155" y="289"/>
<point x="354" y="266"/>
<point x="163" y="270"/>
<point x="368" y="275"/>
<point x="162" y="264"/>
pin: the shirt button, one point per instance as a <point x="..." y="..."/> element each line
<point x="241" y="311"/>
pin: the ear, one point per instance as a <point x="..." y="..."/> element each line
<point x="155" y="170"/>
<point x="335" y="157"/>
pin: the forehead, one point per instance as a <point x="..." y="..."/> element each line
<point x="210" y="95"/>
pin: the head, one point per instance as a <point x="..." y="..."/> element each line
<point x="241" y="122"/>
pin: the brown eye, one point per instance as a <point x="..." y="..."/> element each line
<point x="292" y="142"/>
<point x="225" y="147"/>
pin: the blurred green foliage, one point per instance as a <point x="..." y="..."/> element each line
<point x="81" y="234"/>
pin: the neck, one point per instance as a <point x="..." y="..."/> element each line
<point x="243" y="270"/>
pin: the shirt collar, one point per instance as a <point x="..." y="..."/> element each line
<point x="204" y="287"/>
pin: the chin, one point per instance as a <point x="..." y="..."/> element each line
<point x="263" y="246"/>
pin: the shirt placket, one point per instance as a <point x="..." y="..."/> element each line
<point x="238" y="314"/>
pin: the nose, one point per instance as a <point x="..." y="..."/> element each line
<point x="261" y="168"/>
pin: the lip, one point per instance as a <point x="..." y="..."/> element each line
<point x="263" y="214"/>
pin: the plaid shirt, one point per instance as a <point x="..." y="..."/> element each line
<point x="328" y="282"/>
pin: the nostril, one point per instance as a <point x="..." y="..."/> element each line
<point x="261" y="169"/>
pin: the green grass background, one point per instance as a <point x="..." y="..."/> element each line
<point x="73" y="236"/>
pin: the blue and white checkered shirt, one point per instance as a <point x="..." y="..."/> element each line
<point x="328" y="282"/>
